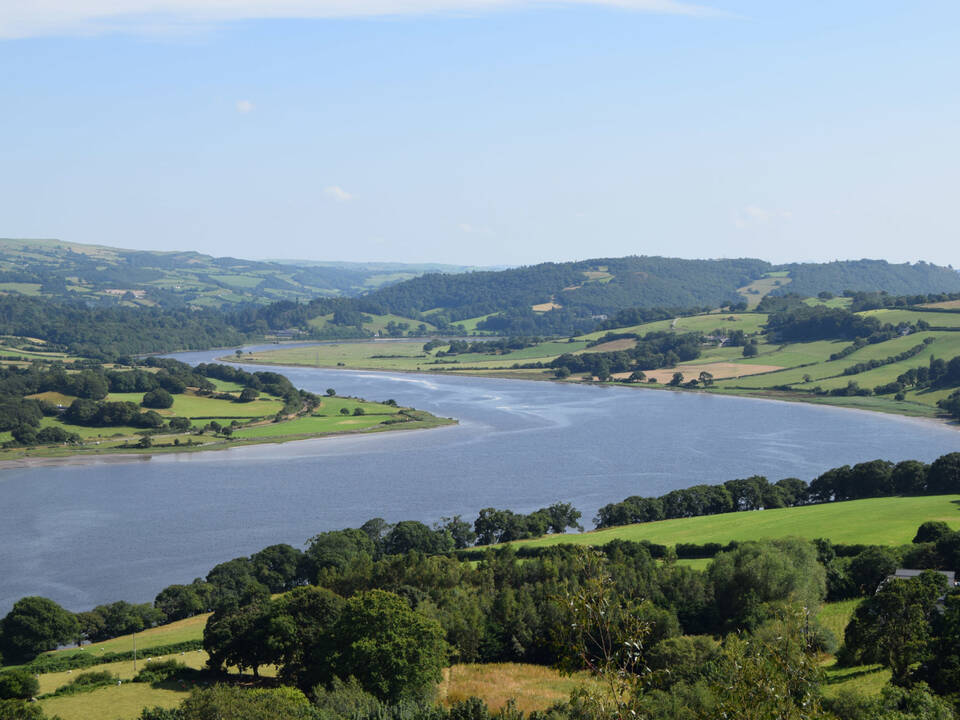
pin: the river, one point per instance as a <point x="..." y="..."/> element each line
<point x="93" y="533"/>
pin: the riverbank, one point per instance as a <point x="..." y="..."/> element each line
<point x="272" y="434"/>
<point x="873" y="404"/>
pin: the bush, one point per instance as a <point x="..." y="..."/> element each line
<point x="87" y="682"/>
<point x="18" y="684"/>
<point x="156" y="672"/>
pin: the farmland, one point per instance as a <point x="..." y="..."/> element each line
<point x="796" y="371"/>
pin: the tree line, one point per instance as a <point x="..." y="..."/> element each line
<point x="876" y="478"/>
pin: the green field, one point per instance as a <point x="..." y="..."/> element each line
<point x="310" y="426"/>
<point x="936" y="319"/>
<point x="880" y="521"/>
<point x="748" y="322"/>
<point x="196" y="406"/>
<point x="377" y="324"/>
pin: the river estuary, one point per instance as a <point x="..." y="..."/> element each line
<point x="92" y="533"/>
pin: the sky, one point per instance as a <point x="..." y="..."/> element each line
<point x="484" y="132"/>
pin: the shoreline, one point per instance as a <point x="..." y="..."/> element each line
<point x="131" y="455"/>
<point x="505" y="375"/>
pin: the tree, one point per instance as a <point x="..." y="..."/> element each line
<point x="303" y="629"/>
<point x="750" y="578"/>
<point x="871" y="567"/>
<point x="337" y="549"/>
<point x="909" y="477"/>
<point x="331" y="392"/>
<point x="892" y="627"/>
<point x="706" y="379"/>
<point x="248" y="394"/>
<point x="159" y="399"/>
<point x="751" y="349"/>
<point x="279" y="567"/>
<point x="944" y="474"/>
<point x="932" y="531"/>
<point x="410" y="535"/>
<point x="239" y="637"/>
<point x="178" y="602"/>
<point x="460" y="530"/>
<point x="676" y="380"/>
<point x="35" y="625"/>
<point x="561" y="516"/>
<point x="394" y="652"/>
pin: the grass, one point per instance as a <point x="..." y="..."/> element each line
<point x="194" y="406"/>
<point x="748" y="322"/>
<point x="533" y="687"/>
<point x="170" y="634"/>
<point x="123" y="702"/>
<point x="378" y="323"/>
<point x="311" y="426"/>
<point x="881" y="521"/>
<point x="836" y="615"/>
<point x="935" y="319"/>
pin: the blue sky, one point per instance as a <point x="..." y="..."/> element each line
<point x="484" y="131"/>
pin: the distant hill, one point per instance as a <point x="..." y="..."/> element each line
<point x="57" y="269"/>
<point x="870" y="276"/>
<point x="568" y="297"/>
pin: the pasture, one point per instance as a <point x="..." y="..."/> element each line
<point x="880" y="521"/>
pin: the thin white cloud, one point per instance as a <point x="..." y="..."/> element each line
<point x="29" y="18"/>
<point x="754" y="215"/>
<point x="245" y="106"/>
<point x="337" y="193"/>
<point x="473" y="229"/>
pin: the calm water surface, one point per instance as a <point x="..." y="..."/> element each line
<point x="89" y="534"/>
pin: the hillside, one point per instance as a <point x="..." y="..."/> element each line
<point x="58" y="269"/>
<point x="566" y="298"/>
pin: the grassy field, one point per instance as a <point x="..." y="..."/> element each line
<point x="310" y="426"/>
<point x="378" y="323"/>
<point x="255" y="418"/>
<point x="196" y="406"/>
<point x="533" y="687"/>
<point x="881" y="521"/>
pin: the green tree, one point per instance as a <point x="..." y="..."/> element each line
<point x="159" y="399"/>
<point x="892" y="627"/>
<point x="35" y="625"/>
<point x="395" y="653"/>
<point x="751" y="579"/>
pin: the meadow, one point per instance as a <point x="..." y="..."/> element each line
<point x="879" y="521"/>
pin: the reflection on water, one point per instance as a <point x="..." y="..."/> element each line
<point x="97" y="533"/>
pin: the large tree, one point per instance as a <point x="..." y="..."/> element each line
<point x="35" y="625"/>
<point x="394" y="652"/>
<point x="892" y="627"/>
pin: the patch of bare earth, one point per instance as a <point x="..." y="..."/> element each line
<point x="546" y="307"/>
<point x="614" y="345"/>
<point x="720" y="371"/>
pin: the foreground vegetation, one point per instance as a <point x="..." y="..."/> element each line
<point x="365" y="621"/>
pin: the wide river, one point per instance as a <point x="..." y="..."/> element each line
<point x="87" y="534"/>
